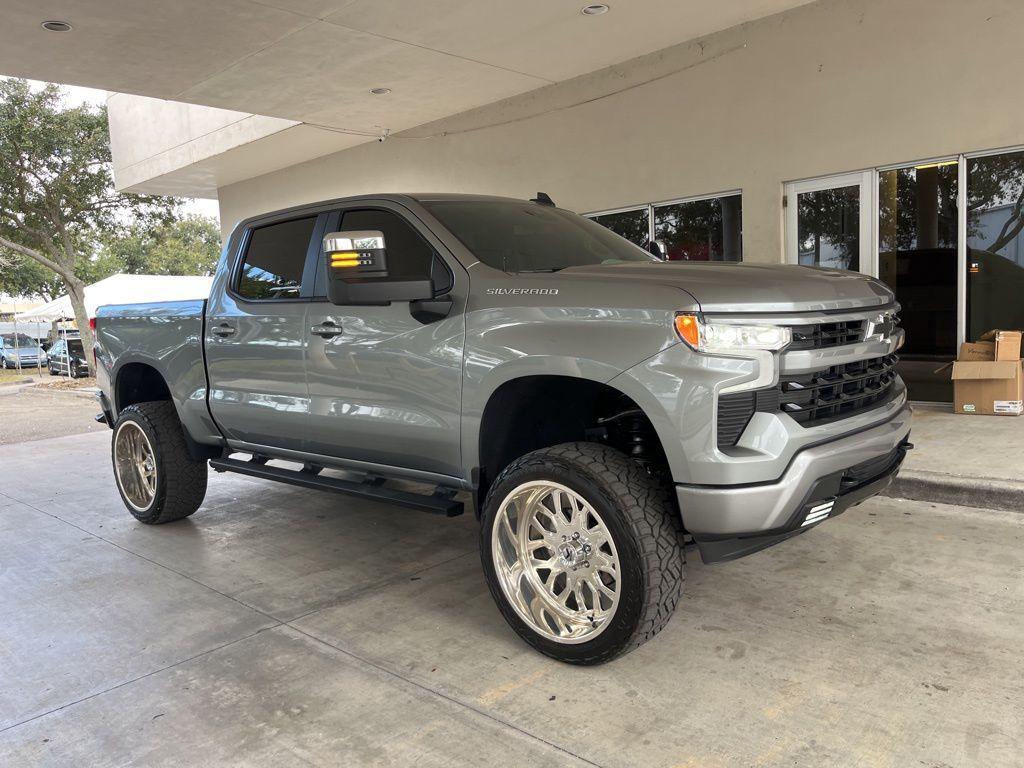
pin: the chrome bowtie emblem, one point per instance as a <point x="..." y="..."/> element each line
<point x="880" y="327"/>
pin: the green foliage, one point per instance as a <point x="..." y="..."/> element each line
<point x="185" y="246"/>
<point x="56" y="188"/>
<point x="26" y="277"/>
<point x="57" y="197"/>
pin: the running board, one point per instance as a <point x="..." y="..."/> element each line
<point x="441" y="502"/>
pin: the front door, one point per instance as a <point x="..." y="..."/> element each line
<point x="256" y="336"/>
<point x="385" y="386"/>
<point x="828" y="222"/>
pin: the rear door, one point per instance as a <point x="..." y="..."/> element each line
<point x="385" y="388"/>
<point x="256" y="335"/>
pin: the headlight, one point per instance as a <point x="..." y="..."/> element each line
<point x="726" y="339"/>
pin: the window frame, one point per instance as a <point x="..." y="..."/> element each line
<point x="313" y="248"/>
<point x="649" y="207"/>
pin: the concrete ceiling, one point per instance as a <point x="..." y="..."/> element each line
<point x="316" y="60"/>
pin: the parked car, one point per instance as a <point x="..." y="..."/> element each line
<point x="597" y="403"/>
<point x="67" y="357"/>
<point x="20" y="351"/>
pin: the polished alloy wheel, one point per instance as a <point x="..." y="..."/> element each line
<point x="135" y="465"/>
<point x="556" y="562"/>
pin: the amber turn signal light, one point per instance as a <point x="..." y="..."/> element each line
<point x="688" y="329"/>
<point x="345" y="259"/>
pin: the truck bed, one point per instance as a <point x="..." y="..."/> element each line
<point x="167" y="336"/>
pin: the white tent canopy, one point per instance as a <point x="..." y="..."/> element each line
<point x="123" y="289"/>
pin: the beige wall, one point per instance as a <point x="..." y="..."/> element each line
<point x="151" y="137"/>
<point x="834" y="86"/>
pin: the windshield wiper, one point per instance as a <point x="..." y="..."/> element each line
<point x="545" y="269"/>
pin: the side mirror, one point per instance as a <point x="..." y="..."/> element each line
<point x="357" y="271"/>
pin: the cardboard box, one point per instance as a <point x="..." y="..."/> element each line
<point x="978" y="351"/>
<point x="992" y="388"/>
<point x="1007" y="344"/>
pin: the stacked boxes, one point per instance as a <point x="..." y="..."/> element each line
<point x="987" y="376"/>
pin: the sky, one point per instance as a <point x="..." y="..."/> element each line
<point x="76" y="95"/>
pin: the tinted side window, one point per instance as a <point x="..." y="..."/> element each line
<point x="409" y="255"/>
<point x="274" y="260"/>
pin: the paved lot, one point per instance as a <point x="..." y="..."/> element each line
<point x="35" y="413"/>
<point x="281" y="627"/>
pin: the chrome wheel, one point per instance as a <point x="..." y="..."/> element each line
<point x="556" y="562"/>
<point x="135" y="465"/>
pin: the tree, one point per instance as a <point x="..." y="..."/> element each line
<point x="57" y="197"/>
<point x="185" y="246"/>
<point x="23" y="276"/>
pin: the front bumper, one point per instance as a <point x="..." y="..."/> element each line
<point x="821" y="481"/>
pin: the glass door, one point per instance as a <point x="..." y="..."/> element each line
<point x="918" y="226"/>
<point x="828" y="222"/>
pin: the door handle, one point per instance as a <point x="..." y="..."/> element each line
<point x="328" y="330"/>
<point x="224" y="330"/>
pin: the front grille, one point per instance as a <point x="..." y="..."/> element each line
<point x="819" y="397"/>
<point x="839" y="391"/>
<point x="822" y="335"/>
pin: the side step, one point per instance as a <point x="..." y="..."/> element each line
<point x="441" y="502"/>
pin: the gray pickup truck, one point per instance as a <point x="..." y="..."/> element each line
<point x="600" y="407"/>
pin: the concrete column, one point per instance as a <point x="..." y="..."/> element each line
<point x="928" y="208"/>
<point x="732" y="228"/>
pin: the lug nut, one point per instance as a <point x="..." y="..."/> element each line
<point x="576" y="535"/>
<point x="586" y="563"/>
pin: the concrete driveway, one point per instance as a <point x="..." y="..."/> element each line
<point x="281" y="627"/>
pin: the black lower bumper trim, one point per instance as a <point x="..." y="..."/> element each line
<point x="846" y="489"/>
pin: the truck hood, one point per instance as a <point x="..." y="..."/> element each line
<point x="728" y="287"/>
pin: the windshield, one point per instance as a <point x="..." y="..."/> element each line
<point x="23" y="340"/>
<point x="527" y="237"/>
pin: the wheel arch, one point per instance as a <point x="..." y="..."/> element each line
<point x="140" y="381"/>
<point x="539" y="410"/>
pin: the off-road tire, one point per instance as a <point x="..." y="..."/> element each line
<point x="646" y="529"/>
<point x="180" y="479"/>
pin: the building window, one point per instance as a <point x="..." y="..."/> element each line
<point x="828" y="228"/>
<point x="704" y="229"/>
<point x="710" y="229"/>
<point x="995" y="242"/>
<point x="633" y="225"/>
<point x="917" y="253"/>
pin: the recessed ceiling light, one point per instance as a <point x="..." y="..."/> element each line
<point x="380" y="91"/>
<point x="594" y="10"/>
<point x="56" y="26"/>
